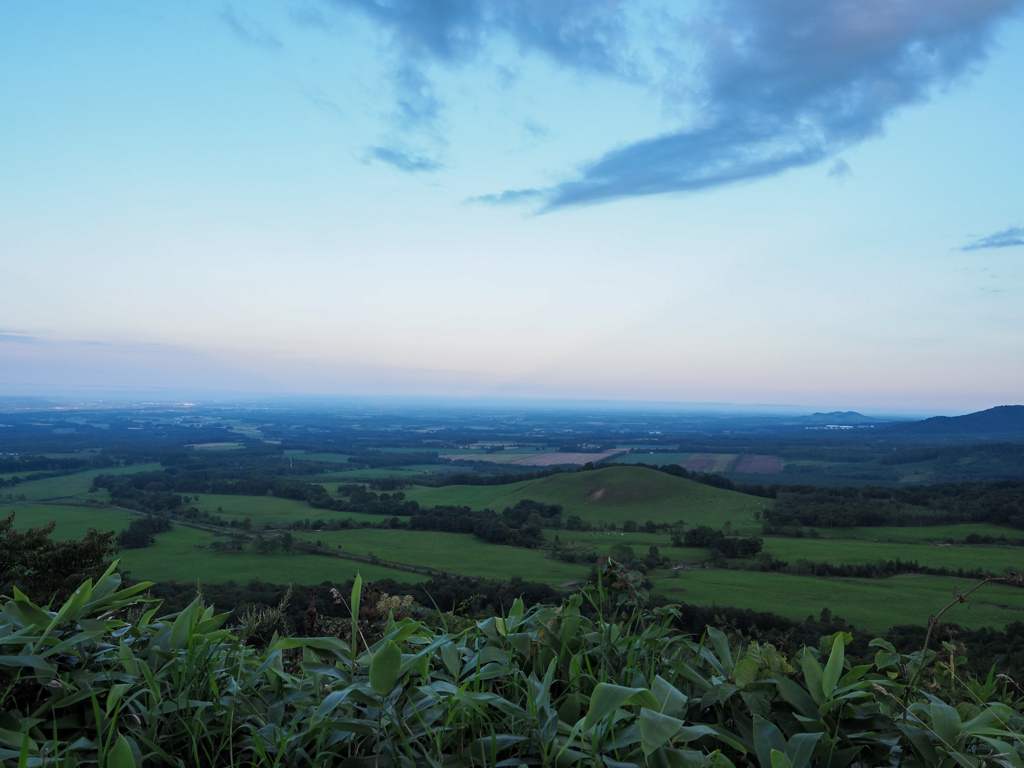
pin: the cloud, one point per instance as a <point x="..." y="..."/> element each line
<point x="417" y="104"/>
<point x="404" y="161"/>
<point x="840" y="169"/>
<point x="248" y="33"/>
<point x="774" y="85"/>
<point x="16" y="337"/>
<point x="1005" y="239"/>
<point x="508" y="196"/>
<point x="792" y="82"/>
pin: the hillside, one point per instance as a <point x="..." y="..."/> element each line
<point x="1002" y="422"/>
<point x="611" y="495"/>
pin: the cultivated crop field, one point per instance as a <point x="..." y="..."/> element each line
<point x="560" y="457"/>
<point x="757" y="464"/>
<point x="709" y="462"/>
<point x="652" y="457"/>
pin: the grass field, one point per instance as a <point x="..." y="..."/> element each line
<point x="990" y="558"/>
<point x="339" y="458"/>
<point x="72" y="521"/>
<point x="938" y="533"/>
<point x="180" y="555"/>
<point x="612" y="495"/>
<point x="872" y="605"/>
<point x="73" y="486"/>
<point x="453" y="552"/>
<point x="269" y="510"/>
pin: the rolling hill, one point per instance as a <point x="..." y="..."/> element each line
<point x="611" y="495"/>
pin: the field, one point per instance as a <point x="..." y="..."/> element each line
<point x="269" y="510"/>
<point x="561" y="457"/>
<point x="872" y="605"/>
<point x="611" y="495"/>
<point x="502" y="457"/>
<point x="73" y="486"/>
<point x="182" y="555"/>
<point x="755" y="464"/>
<point x="709" y="462"/>
<point x="858" y="552"/>
<point x="459" y="553"/>
<point x="652" y="457"/>
<point x="72" y="521"/>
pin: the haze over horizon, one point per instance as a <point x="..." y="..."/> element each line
<point x="810" y="202"/>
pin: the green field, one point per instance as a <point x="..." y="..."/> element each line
<point x="73" y="486"/>
<point x="990" y="558"/>
<point x="72" y="521"/>
<point x="873" y="605"/>
<point x="270" y="510"/>
<point x="459" y="553"/>
<point x="181" y="555"/>
<point x="921" y="533"/>
<point x="612" y="495"/>
<point x="501" y="457"/>
<point x="339" y="458"/>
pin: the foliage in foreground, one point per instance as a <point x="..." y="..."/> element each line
<point x="103" y="681"/>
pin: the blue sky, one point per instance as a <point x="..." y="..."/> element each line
<point x="815" y="202"/>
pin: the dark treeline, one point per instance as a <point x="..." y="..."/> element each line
<point x="726" y="546"/>
<point x="999" y="503"/>
<point x="141" y="530"/>
<point x="880" y="569"/>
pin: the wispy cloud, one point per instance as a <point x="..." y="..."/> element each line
<point x="793" y="82"/>
<point x="508" y="196"/>
<point x="17" y="337"/>
<point x="249" y="33"/>
<point x="840" y="169"/>
<point x="778" y="85"/>
<point x="404" y="161"/>
<point x="1004" y="239"/>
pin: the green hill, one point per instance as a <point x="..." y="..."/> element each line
<point x="612" y="495"/>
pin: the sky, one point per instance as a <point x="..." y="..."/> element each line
<point x="811" y="202"/>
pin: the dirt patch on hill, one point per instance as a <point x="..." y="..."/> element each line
<point x="595" y="494"/>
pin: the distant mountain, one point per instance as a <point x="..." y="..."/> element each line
<point x="842" y="418"/>
<point x="1003" y="421"/>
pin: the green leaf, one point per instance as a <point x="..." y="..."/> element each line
<point x="745" y="672"/>
<point x="779" y="760"/>
<point x="834" y="667"/>
<point x="721" y="643"/>
<point x="121" y="755"/>
<point x="671" y="701"/>
<point x="812" y="677"/>
<point x="607" y="698"/>
<point x="946" y="722"/>
<point x="767" y="739"/>
<point x="384" y="668"/>
<point x="656" y="729"/>
<point x="801" y="747"/>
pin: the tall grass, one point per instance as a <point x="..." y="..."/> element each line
<point x="597" y="681"/>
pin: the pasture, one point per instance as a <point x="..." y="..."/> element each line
<point x="460" y="553"/>
<point x="872" y="605"/>
<point x="73" y="486"/>
<point x="182" y="555"/>
<point x="72" y="522"/>
<point x="269" y="510"/>
<point x="612" y="495"/>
